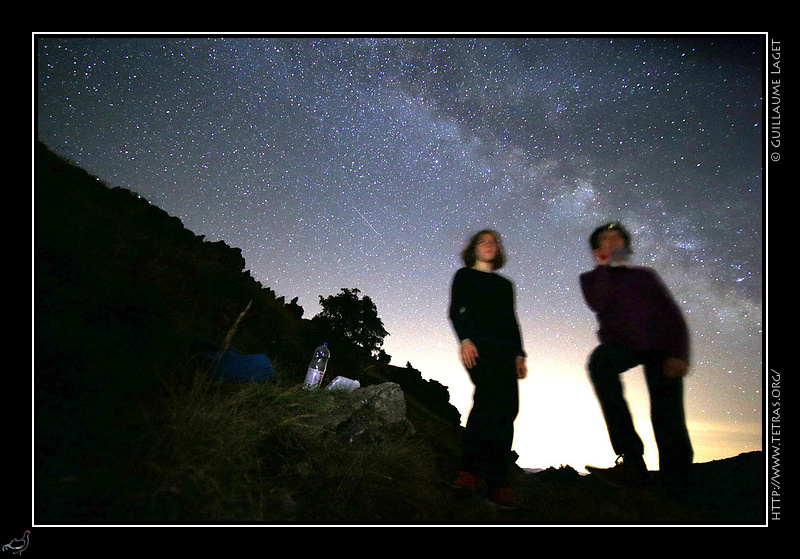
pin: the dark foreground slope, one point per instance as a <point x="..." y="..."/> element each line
<point x="730" y="491"/>
<point x="127" y="303"/>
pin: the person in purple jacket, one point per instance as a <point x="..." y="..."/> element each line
<point x="639" y="324"/>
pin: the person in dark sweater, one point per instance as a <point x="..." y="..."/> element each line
<point x="639" y="324"/>
<point x="483" y="315"/>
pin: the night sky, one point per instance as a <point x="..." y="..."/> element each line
<point x="368" y="162"/>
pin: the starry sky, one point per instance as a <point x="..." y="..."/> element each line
<point x="367" y="162"/>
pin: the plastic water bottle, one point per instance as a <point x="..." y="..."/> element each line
<point x="316" y="369"/>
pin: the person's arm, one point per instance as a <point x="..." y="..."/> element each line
<point x="522" y="368"/>
<point x="459" y="317"/>
<point x="468" y="352"/>
<point x="674" y="330"/>
<point x="596" y="288"/>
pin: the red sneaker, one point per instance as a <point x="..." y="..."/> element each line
<point x="506" y="498"/>
<point x="468" y="482"/>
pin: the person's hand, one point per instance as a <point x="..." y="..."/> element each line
<point x="615" y="257"/>
<point x="600" y="257"/>
<point x="675" y="367"/>
<point x="522" y="369"/>
<point x="469" y="354"/>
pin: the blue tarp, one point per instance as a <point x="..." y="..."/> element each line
<point x="233" y="365"/>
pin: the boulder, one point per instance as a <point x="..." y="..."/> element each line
<point x="370" y="413"/>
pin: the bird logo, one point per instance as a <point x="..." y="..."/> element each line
<point x="17" y="546"/>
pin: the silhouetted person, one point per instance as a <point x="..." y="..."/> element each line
<point x="640" y="324"/>
<point x="482" y="310"/>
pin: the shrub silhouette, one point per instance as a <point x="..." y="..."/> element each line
<point x="353" y="321"/>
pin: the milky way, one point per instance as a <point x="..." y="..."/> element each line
<point x="367" y="162"/>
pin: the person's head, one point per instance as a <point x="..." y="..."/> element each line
<point x="485" y="246"/>
<point x="609" y="236"/>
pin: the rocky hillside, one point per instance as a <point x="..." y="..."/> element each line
<point x="126" y="304"/>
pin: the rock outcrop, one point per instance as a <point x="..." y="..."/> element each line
<point x="369" y="413"/>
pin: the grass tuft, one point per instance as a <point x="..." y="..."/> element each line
<point x="260" y="452"/>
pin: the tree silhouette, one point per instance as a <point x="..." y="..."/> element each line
<point x="354" y="319"/>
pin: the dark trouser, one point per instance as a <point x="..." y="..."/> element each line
<point x="606" y="364"/>
<point x="490" y="426"/>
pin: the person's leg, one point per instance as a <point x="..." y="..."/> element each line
<point x="667" y="414"/>
<point x="490" y="427"/>
<point x="606" y="364"/>
<point x="504" y="409"/>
